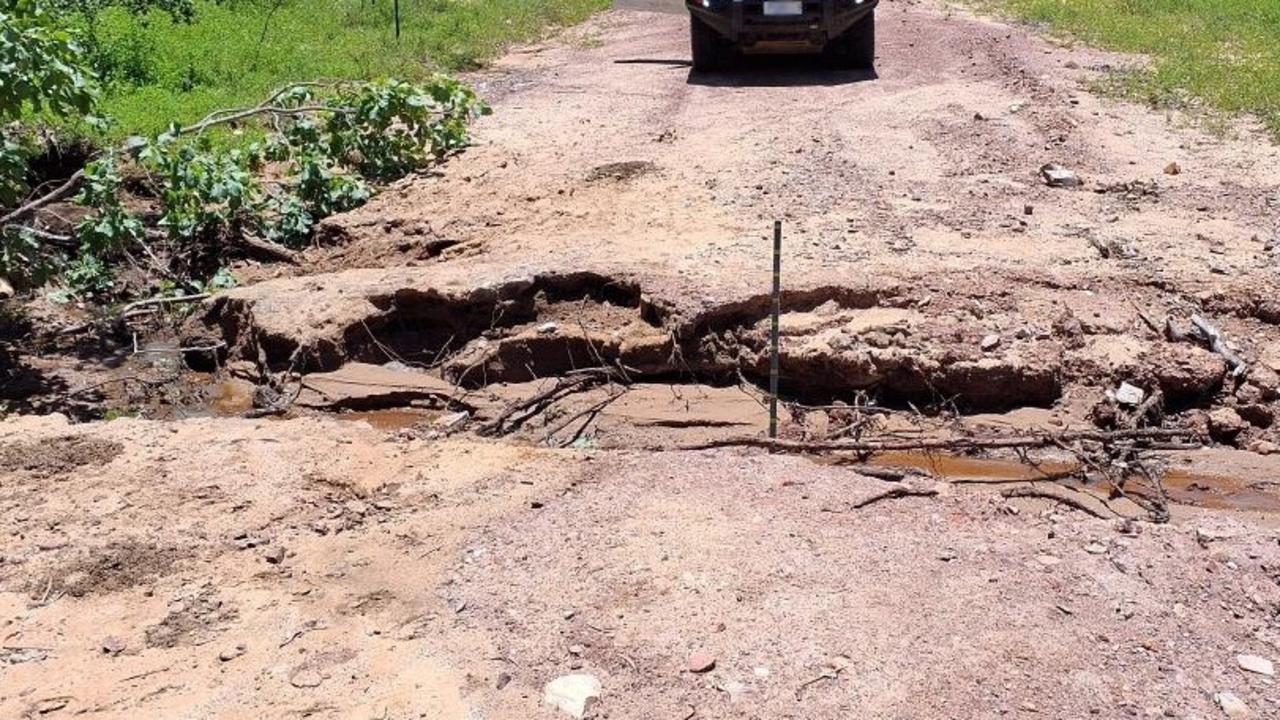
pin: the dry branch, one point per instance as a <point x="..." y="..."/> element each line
<point x="893" y="494"/>
<point x="1046" y="494"/>
<point x="1038" y="440"/>
<point x="1218" y="343"/>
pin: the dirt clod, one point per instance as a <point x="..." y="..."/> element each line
<point x="51" y="458"/>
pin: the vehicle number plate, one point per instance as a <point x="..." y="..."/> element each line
<point x="783" y="7"/>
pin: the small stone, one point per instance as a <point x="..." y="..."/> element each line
<point x="1265" y="447"/>
<point x="1225" y="423"/>
<point x="1057" y="176"/>
<point x="1095" y="548"/>
<point x="1173" y="168"/>
<point x="1232" y="706"/>
<point x="231" y="653"/>
<point x="503" y="680"/>
<point x="948" y="555"/>
<point x="275" y="555"/>
<point x="306" y="679"/>
<point x="990" y="342"/>
<point x="1130" y="395"/>
<point x="112" y="646"/>
<point x="572" y="694"/>
<point x="1205" y="536"/>
<point x="1028" y="209"/>
<point x="576" y="649"/>
<point x="1256" y="664"/>
<point x="547" y="328"/>
<point x="1048" y="560"/>
<point x="701" y="662"/>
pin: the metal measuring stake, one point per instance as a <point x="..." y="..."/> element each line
<point x="773" y="335"/>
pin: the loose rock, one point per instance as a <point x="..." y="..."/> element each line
<point x="990" y="342"/>
<point x="1057" y="176"/>
<point x="701" y="662"/>
<point x="1173" y="168"/>
<point x="1130" y="394"/>
<point x="1256" y="664"/>
<point x="231" y="653"/>
<point x="1232" y="706"/>
<point x="572" y="694"/>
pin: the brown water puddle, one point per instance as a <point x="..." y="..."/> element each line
<point x="1219" y="492"/>
<point x="391" y="419"/>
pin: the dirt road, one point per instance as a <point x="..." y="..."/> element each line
<point x="355" y="560"/>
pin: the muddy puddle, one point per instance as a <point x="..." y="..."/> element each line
<point x="1184" y="487"/>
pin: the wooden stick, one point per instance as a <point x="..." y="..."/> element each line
<point x="959" y="443"/>
<point x="1218" y="343"/>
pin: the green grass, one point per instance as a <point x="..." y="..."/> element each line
<point x="237" y="51"/>
<point x="1226" y="52"/>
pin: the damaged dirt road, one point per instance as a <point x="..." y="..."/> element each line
<point x="417" y="538"/>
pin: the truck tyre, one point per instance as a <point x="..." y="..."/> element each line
<point x="710" y="51"/>
<point x="856" y="49"/>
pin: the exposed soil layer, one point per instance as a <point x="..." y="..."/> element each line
<point x="619" y="212"/>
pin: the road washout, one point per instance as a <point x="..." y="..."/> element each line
<point x="448" y="458"/>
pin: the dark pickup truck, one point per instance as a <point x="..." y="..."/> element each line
<point x="843" y="30"/>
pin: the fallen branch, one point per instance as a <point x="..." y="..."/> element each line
<point x="518" y="413"/>
<point x="1218" y="343"/>
<point x="150" y="302"/>
<point x="590" y="414"/>
<point x="954" y="444"/>
<point x="1153" y="402"/>
<point x="265" y="249"/>
<point x="1034" y="492"/>
<point x="65" y="241"/>
<point x="894" y="493"/>
<point x="62" y="191"/>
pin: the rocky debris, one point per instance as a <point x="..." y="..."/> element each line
<point x="275" y="555"/>
<point x="1055" y="175"/>
<point x="1232" y="706"/>
<point x="1256" y="664"/>
<point x="1225" y="424"/>
<point x="1130" y="395"/>
<point x="990" y="342"/>
<point x="701" y="662"/>
<point x="1265" y="447"/>
<point x="112" y="645"/>
<point x="232" y="653"/>
<point x="572" y="694"/>
<point x="247" y="541"/>
<point x="19" y="655"/>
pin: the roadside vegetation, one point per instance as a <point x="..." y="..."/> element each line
<point x="181" y="59"/>
<point x="213" y="130"/>
<point x="1224" y="52"/>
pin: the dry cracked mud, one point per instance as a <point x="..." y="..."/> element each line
<point x="370" y="555"/>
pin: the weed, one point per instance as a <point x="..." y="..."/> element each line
<point x="1224" y="52"/>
